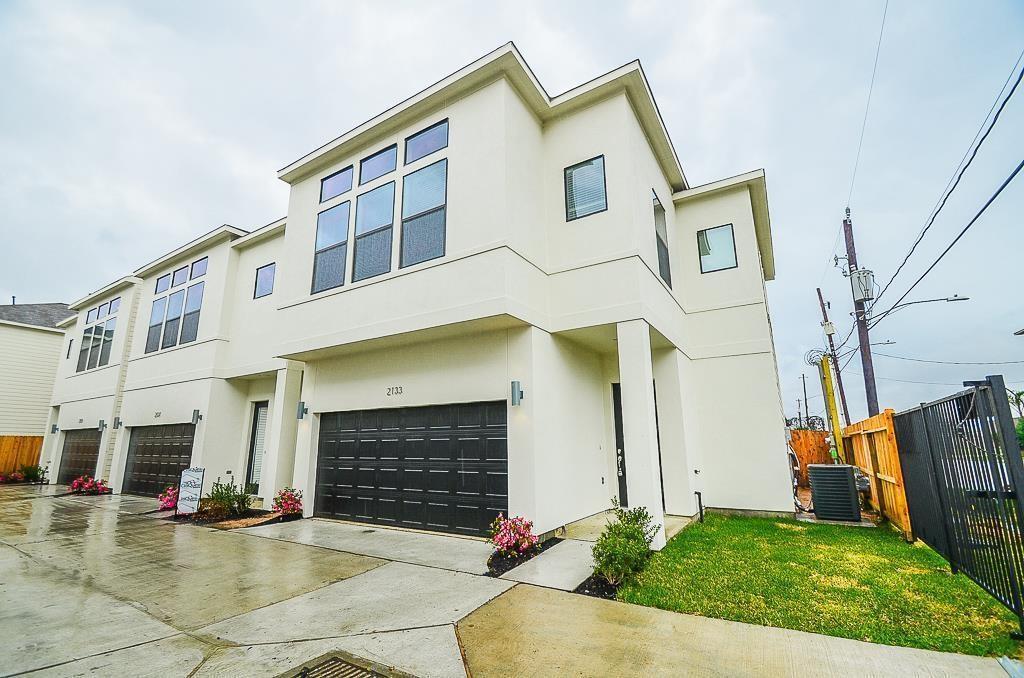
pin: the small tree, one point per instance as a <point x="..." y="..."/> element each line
<point x="1017" y="400"/>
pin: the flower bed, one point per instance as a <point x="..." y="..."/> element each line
<point x="88" y="485"/>
<point x="26" y="475"/>
<point x="498" y="564"/>
<point x="514" y="543"/>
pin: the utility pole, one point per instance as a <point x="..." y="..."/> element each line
<point x="861" y="292"/>
<point x="799" y="418"/>
<point x="807" y="404"/>
<point x="835" y="360"/>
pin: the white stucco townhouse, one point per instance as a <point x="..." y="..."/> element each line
<point x="484" y="299"/>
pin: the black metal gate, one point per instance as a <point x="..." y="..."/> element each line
<point x="965" y="485"/>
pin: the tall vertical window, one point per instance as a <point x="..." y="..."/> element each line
<point x="94" y="351"/>
<point x="378" y="164"/>
<point x="174" y="319"/>
<point x="661" y="236"/>
<point x="336" y="184"/>
<point x="423" y="213"/>
<point x="422" y="144"/>
<point x="585" y="192"/>
<point x="331" y="247"/>
<point x="375" y="215"/>
<point x="717" y="248"/>
<point x="264" y="281"/>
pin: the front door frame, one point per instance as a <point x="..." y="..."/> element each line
<point x="620" y="444"/>
<point x="256" y="407"/>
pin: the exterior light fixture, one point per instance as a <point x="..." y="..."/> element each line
<point x="302" y="410"/>
<point x="102" y="425"/>
<point x="54" y="428"/>
<point x="117" y="423"/>
<point x="517" y="393"/>
<point x="196" y="417"/>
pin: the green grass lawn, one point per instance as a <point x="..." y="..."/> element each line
<point x="861" y="583"/>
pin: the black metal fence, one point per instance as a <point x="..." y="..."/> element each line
<point x="964" y="481"/>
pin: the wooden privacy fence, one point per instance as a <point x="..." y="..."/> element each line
<point x="810" y="448"/>
<point x="872" y="443"/>
<point x="18" y="451"/>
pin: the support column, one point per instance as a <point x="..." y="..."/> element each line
<point x="636" y="376"/>
<point x="279" y="450"/>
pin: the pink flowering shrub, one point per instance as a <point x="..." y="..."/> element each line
<point x="169" y="498"/>
<point x="88" y="485"/>
<point x="512" y="537"/>
<point x="288" y="502"/>
<point x="3" y="479"/>
<point x="16" y="477"/>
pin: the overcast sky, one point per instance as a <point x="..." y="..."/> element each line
<point x="128" y="129"/>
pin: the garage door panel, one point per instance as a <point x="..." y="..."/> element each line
<point x="439" y="467"/>
<point x="156" y="457"/>
<point x="80" y="454"/>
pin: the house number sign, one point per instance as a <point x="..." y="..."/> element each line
<point x="394" y="391"/>
<point x="190" y="490"/>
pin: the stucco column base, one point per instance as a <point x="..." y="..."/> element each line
<point x="639" y="427"/>
<point x="279" y="455"/>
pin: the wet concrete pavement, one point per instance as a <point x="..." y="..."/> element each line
<point x="99" y="586"/>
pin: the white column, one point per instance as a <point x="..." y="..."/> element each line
<point x="636" y="376"/>
<point x="677" y="476"/>
<point x="279" y="450"/>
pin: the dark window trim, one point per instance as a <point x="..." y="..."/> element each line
<point x="71" y="342"/>
<point x="252" y="438"/>
<point x="344" y="273"/>
<point x="188" y="270"/>
<point x="256" y="281"/>
<point x="156" y="286"/>
<point x="355" y="251"/>
<point x="192" y="268"/>
<point x="442" y="206"/>
<point x="604" y="181"/>
<point x="382" y="151"/>
<point x="331" y="176"/>
<point x="405" y="148"/>
<point x="735" y="256"/>
<point x="348" y="226"/>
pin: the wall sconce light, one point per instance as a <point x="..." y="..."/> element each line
<point x="102" y="425"/>
<point x="302" y="410"/>
<point x="54" y="428"/>
<point x="517" y="393"/>
<point x="196" y="417"/>
<point x="117" y="423"/>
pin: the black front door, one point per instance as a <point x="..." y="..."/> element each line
<point x="440" y="467"/>
<point x="620" y="445"/>
<point x="81" y="452"/>
<point x="156" y="457"/>
<point x="257" y="445"/>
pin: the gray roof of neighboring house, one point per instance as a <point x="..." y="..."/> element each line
<point x="41" y="315"/>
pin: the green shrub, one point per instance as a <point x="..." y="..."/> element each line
<point x="33" y="474"/>
<point x="625" y="545"/>
<point x="1020" y="432"/>
<point x="227" y="500"/>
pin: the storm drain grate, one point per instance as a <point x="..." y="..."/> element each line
<point x="336" y="667"/>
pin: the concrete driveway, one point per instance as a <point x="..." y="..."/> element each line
<point x="100" y="586"/>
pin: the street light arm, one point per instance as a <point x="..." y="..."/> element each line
<point x="877" y="319"/>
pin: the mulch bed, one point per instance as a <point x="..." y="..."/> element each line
<point x="499" y="565"/>
<point x="251" y="518"/>
<point x="597" y="587"/>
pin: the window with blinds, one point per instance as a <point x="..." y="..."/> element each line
<point x="423" y="213"/>
<point x="661" y="236"/>
<point x="257" y="446"/>
<point x="375" y="214"/>
<point x="717" y="248"/>
<point x="585" y="191"/>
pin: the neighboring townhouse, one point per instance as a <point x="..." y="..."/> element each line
<point x="30" y="345"/>
<point x="485" y="299"/>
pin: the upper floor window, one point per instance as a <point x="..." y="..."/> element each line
<point x="717" y="248"/>
<point x="174" y="319"/>
<point x="375" y="215"/>
<point x="585" y="191"/>
<point x="378" y="164"/>
<point x="264" y="280"/>
<point x="94" y="351"/>
<point x="661" y="236"/>
<point x="422" y="144"/>
<point x="423" y="213"/>
<point x="336" y="184"/>
<point x="331" y="247"/>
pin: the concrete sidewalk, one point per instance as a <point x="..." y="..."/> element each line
<point x="96" y="587"/>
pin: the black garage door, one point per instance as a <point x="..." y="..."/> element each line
<point x="442" y="467"/>
<point x="81" y="452"/>
<point x="156" y="457"/>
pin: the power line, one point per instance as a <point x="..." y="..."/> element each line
<point x="958" y="173"/>
<point x="977" y="216"/>
<point x="929" y="383"/>
<point x="953" y="362"/>
<point x="867" y="106"/>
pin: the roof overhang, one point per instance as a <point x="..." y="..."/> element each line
<point x="262" y="233"/>
<point x="758" y="191"/>
<point x="204" y="241"/>
<point x="88" y="299"/>
<point x="504" y="62"/>
<point x="41" y="328"/>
